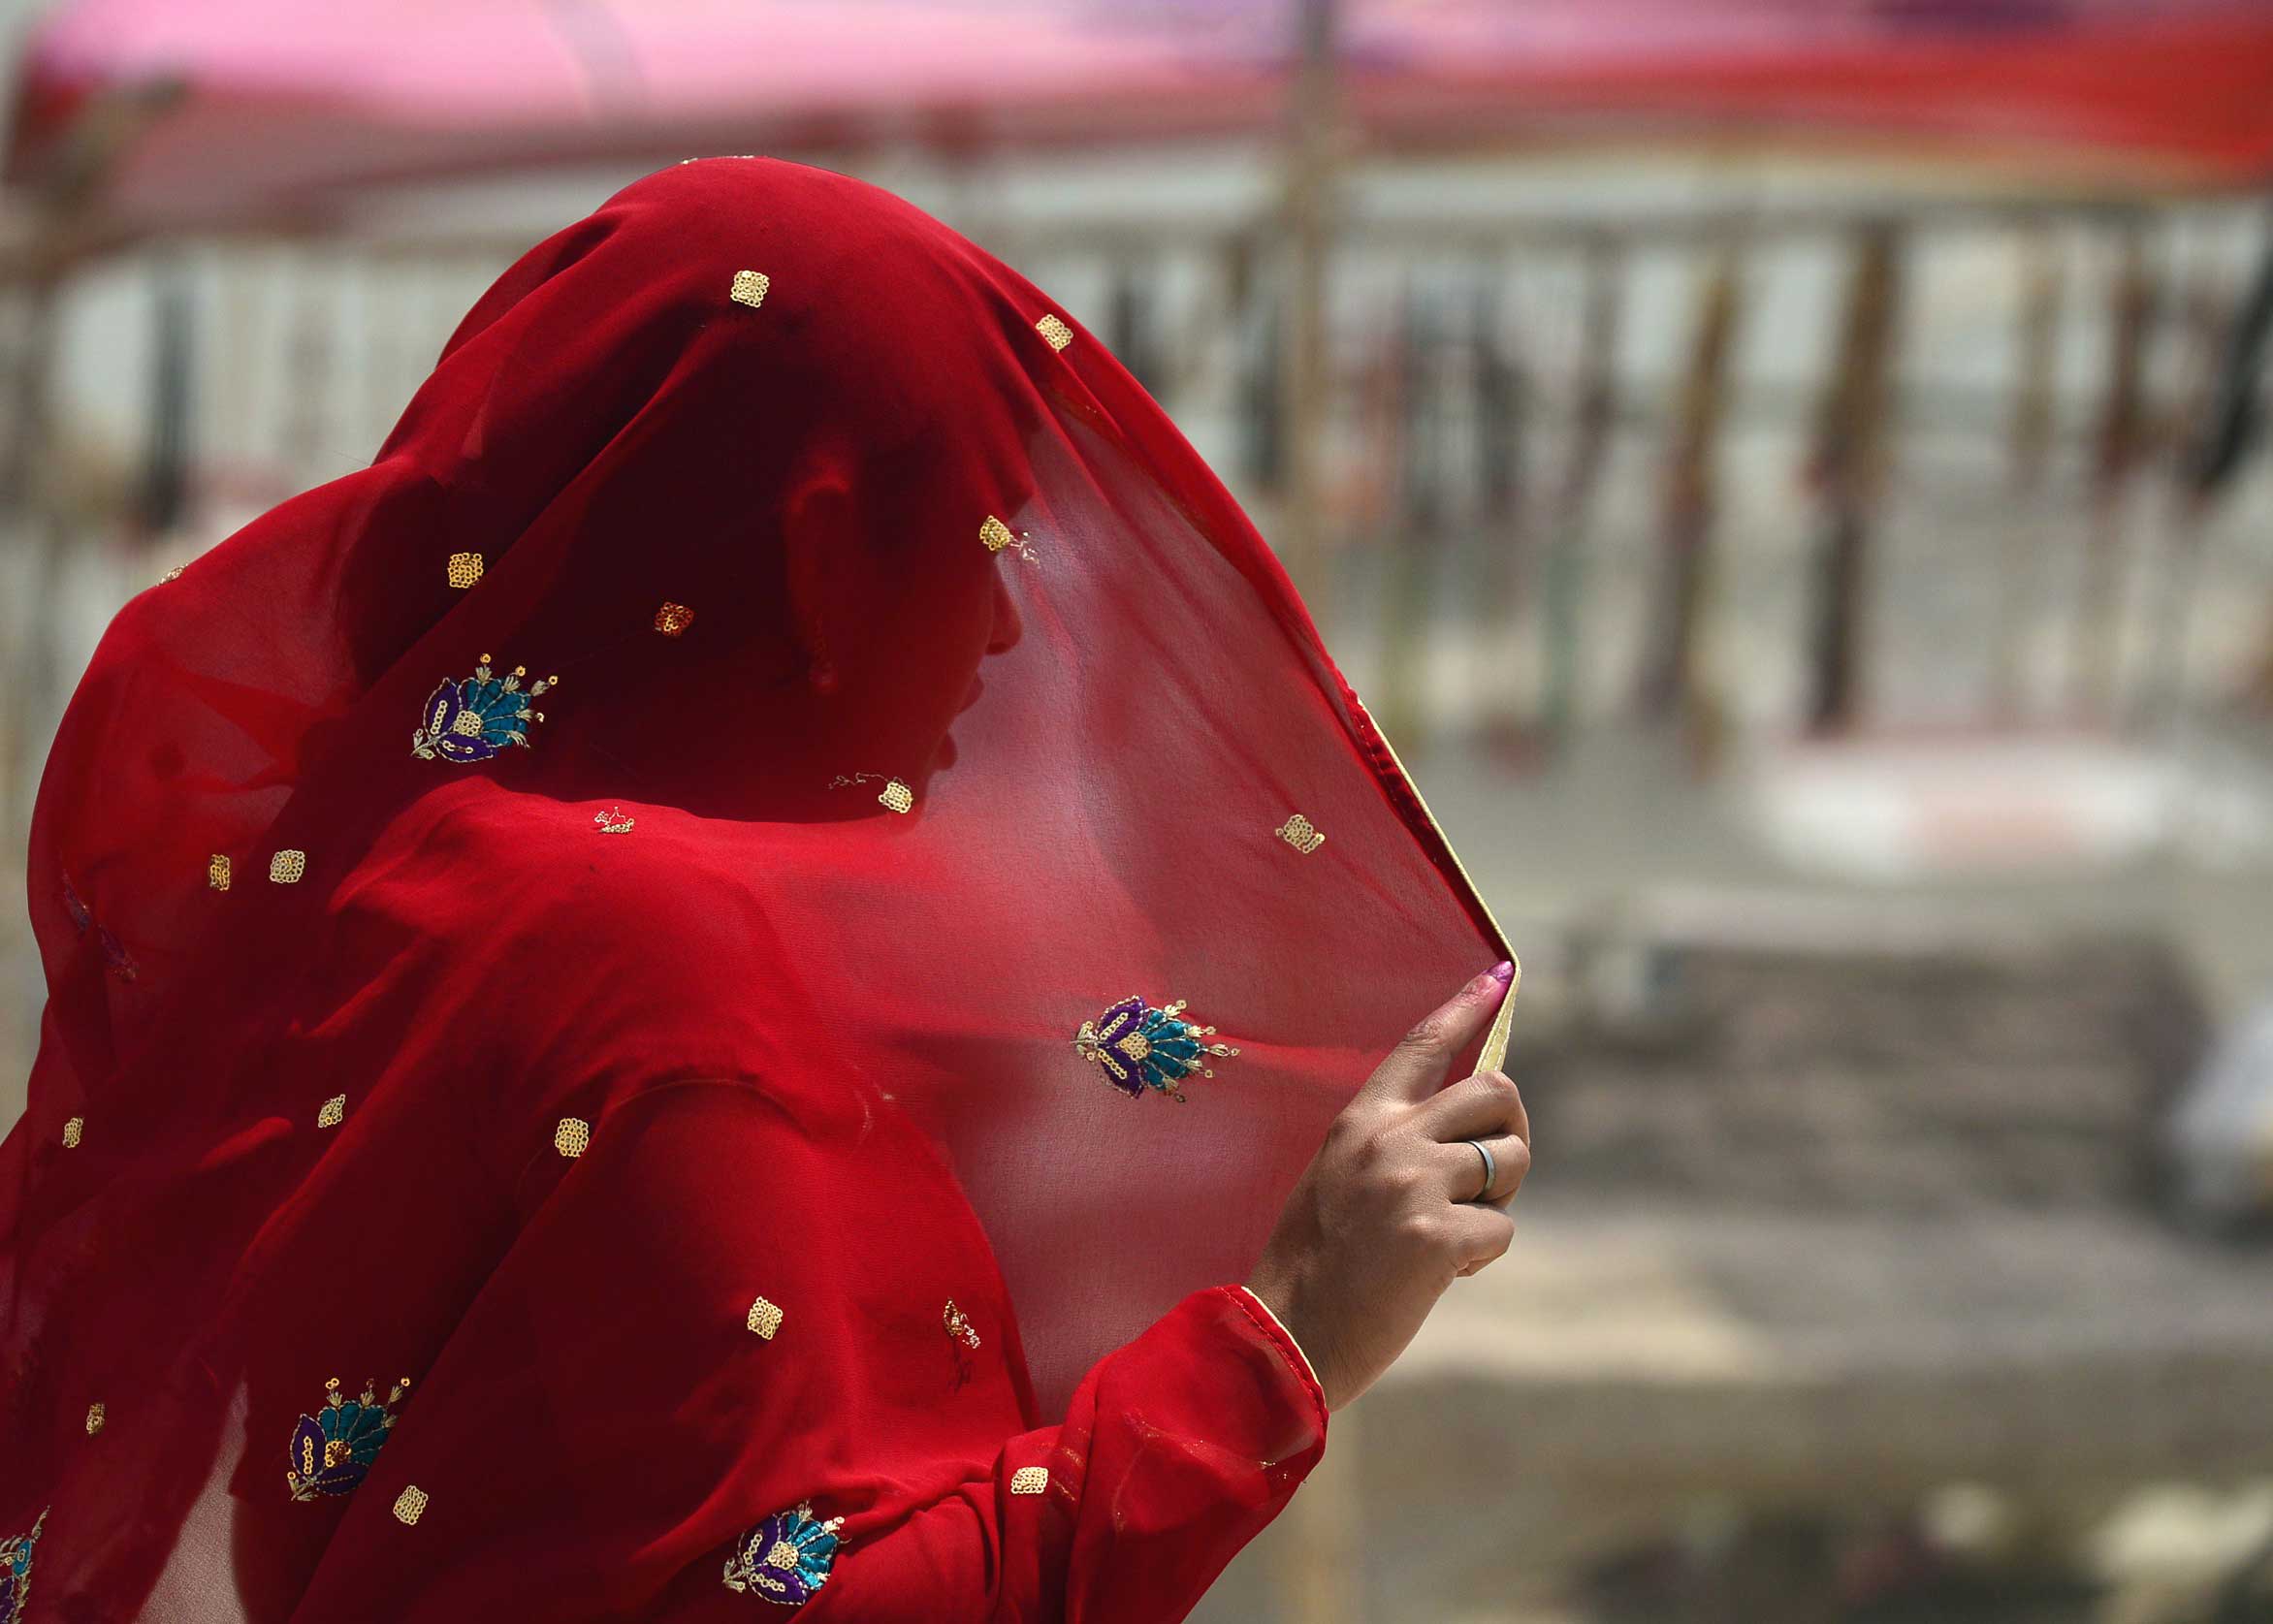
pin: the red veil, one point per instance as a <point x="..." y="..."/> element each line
<point x="613" y="734"/>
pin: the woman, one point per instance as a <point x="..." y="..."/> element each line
<point x="575" y="1015"/>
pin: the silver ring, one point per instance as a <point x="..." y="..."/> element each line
<point x="1491" y="1167"/>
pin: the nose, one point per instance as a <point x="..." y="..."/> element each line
<point x="1009" y="625"/>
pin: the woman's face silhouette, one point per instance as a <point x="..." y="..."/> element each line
<point x="894" y="629"/>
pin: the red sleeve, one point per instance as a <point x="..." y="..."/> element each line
<point x="1177" y="1451"/>
<point x="620" y="1427"/>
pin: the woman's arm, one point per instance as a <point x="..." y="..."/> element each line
<point x="1177" y="1451"/>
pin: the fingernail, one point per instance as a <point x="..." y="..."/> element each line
<point x="1503" y="972"/>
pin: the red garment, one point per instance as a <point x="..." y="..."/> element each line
<point x="661" y="1084"/>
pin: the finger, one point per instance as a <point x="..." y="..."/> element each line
<point x="1476" y="1107"/>
<point x="1415" y="1068"/>
<point x="1462" y="1170"/>
<point x="1480" y="1236"/>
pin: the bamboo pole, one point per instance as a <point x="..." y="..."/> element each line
<point x="2207" y="316"/>
<point x="2231" y="427"/>
<point x="1850" y="471"/>
<point x="2097" y="648"/>
<point x="1671" y="674"/>
<point x="1309" y="226"/>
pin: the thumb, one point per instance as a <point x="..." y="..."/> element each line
<point x="1415" y="1068"/>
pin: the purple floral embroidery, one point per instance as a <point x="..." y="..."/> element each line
<point x="333" y="1449"/>
<point x="474" y="719"/>
<point x="786" y="1558"/>
<point x="1138" y="1048"/>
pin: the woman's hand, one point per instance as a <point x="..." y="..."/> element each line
<point x="1392" y="1208"/>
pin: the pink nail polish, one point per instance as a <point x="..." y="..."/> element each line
<point x="1503" y="972"/>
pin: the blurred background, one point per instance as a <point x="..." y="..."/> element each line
<point x="1787" y="474"/>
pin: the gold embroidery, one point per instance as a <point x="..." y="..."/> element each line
<point x="95" y="1417"/>
<point x="896" y="796"/>
<point x="334" y="1111"/>
<point x="287" y="866"/>
<point x="73" y="1132"/>
<point x="1030" y="1480"/>
<point x="958" y="1325"/>
<point x="750" y="288"/>
<point x="764" y="1319"/>
<point x="1298" y="833"/>
<point x="573" y="1138"/>
<point x="612" y="821"/>
<point x="995" y="535"/>
<point x="218" y="871"/>
<point x="672" y="619"/>
<point x="1055" y="330"/>
<point x="173" y="574"/>
<point x="464" y="569"/>
<point x="410" y="1505"/>
<point x="1493" y="1057"/>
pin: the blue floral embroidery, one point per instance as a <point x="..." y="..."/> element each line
<point x="333" y="1449"/>
<point x="1138" y="1047"/>
<point x="15" y="1571"/>
<point x="474" y="719"/>
<point x="786" y="1558"/>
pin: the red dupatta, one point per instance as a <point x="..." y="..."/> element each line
<point x="615" y="733"/>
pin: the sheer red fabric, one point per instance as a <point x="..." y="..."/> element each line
<point x="553" y="924"/>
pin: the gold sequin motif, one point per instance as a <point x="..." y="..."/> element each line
<point x="73" y="1132"/>
<point x="218" y="871"/>
<point x="612" y="821"/>
<point x="750" y="288"/>
<point x="287" y="866"/>
<point x="995" y="535"/>
<point x="958" y="1325"/>
<point x="895" y="796"/>
<point x="573" y="1138"/>
<point x="764" y="1317"/>
<point x="672" y="619"/>
<point x="95" y="1418"/>
<point x="1055" y="330"/>
<point x="410" y="1505"/>
<point x="333" y="1112"/>
<point x="1298" y="833"/>
<point x="173" y="574"/>
<point x="1030" y="1480"/>
<point x="463" y="569"/>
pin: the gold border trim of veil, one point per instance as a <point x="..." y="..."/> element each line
<point x="1496" y="1041"/>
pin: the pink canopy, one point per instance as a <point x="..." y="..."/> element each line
<point x="217" y="110"/>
